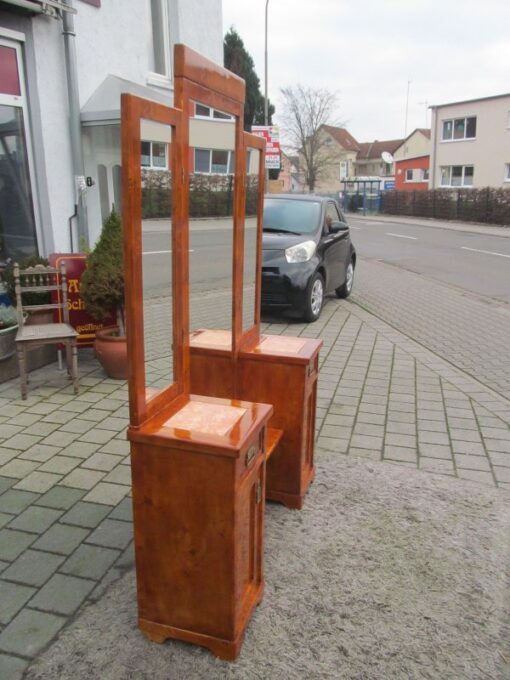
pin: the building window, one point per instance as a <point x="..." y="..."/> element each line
<point x="202" y="111"/>
<point x="457" y="175"/>
<point x="507" y="172"/>
<point x="409" y="175"/>
<point x="154" y="156"/>
<point x="459" y="128"/>
<point x="426" y="175"/>
<point x="214" y="161"/>
<point x="343" y="169"/>
<point x="508" y="120"/>
<point x="160" y="43"/>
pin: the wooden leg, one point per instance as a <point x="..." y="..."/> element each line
<point x="69" y="360"/>
<point x="21" y="352"/>
<point x="74" y="370"/>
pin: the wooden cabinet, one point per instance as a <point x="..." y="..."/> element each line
<point x="198" y="518"/>
<point x="282" y="371"/>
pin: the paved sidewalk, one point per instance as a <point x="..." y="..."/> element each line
<point x="473" y="227"/>
<point x="65" y="511"/>
<point x="472" y="333"/>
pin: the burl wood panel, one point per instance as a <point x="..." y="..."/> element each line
<point x="198" y="522"/>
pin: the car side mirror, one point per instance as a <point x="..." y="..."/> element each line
<point x="338" y="226"/>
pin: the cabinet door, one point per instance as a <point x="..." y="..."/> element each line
<point x="249" y="538"/>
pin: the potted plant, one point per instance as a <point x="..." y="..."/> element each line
<point x="44" y="298"/>
<point x="8" y="330"/>
<point x="102" y="291"/>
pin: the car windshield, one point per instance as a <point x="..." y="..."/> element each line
<point x="291" y="216"/>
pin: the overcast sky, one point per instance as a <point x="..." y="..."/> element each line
<point x="450" y="50"/>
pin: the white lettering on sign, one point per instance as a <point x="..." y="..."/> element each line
<point x="271" y="134"/>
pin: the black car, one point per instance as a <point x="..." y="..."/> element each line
<point x="306" y="253"/>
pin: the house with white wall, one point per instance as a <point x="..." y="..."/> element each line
<point x="470" y="143"/>
<point x="63" y="67"/>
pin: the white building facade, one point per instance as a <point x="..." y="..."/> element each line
<point x="470" y="143"/>
<point x="120" y="46"/>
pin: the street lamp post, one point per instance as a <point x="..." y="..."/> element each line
<point x="266" y="106"/>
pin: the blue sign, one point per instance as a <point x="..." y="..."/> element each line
<point x="389" y="184"/>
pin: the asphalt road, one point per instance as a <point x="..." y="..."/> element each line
<point x="477" y="262"/>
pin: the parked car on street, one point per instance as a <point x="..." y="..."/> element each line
<point x="306" y="254"/>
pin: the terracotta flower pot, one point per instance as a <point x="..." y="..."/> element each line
<point x="111" y="351"/>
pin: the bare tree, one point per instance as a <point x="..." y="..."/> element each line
<point x="305" y="111"/>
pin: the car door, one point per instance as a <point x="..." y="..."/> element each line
<point x="335" y="248"/>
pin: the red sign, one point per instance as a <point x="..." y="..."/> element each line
<point x="79" y="319"/>
<point x="271" y="134"/>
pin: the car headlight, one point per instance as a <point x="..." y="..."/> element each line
<point x="300" y="253"/>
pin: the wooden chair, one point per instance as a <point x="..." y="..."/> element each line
<point x="41" y="279"/>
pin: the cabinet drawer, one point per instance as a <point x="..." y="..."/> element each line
<point x="254" y="449"/>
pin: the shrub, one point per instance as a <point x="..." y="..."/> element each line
<point x="27" y="298"/>
<point x="102" y="283"/>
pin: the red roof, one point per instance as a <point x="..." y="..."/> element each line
<point x="343" y="137"/>
<point x="369" y="150"/>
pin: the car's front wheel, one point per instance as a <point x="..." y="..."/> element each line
<point x="345" y="290"/>
<point x="314" y="298"/>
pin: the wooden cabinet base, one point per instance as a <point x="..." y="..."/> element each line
<point x="290" y="500"/>
<point x="228" y="650"/>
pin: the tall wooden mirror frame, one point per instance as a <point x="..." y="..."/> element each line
<point x="251" y="336"/>
<point x="133" y="111"/>
<point x="199" y="80"/>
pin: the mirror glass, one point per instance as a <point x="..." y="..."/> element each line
<point x="156" y="149"/>
<point x="250" y="236"/>
<point x="211" y="206"/>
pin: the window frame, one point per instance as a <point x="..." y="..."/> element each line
<point x="463" y="176"/>
<point x="163" y="80"/>
<point x="452" y="122"/>
<point x="507" y="173"/>
<point x="151" y="166"/>
<point x="225" y="117"/>
<point x="230" y="162"/>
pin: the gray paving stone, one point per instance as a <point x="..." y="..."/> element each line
<point x="425" y="437"/>
<point x="39" y="482"/>
<point x="502" y="474"/>
<point x="33" y="567"/>
<point x="12" y="596"/>
<point x="88" y="515"/>
<point x="60" y="465"/>
<point x="40" y="453"/>
<point x="90" y="561"/>
<point x="41" y="429"/>
<point x="80" y="449"/>
<point x="472" y="462"/>
<point x="117" y="447"/>
<point x="6" y="455"/>
<point x="400" y="428"/>
<point x="30" y="632"/>
<point x="123" y="511"/>
<point x="501" y="445"/>
<point x="371" y="454"/>
<point x="12" y="667"/>
<point x="498" y="458"/>
<point x="18" y="469"/>
<point x="13" y="543"/>
<point x="61" y="538"/>
<point x="476" y="476"/>
<point x="60" y="497"/>
<point x="112" y="533"/>
<point x="61" y="439"/>
<point x="80" y="478"/>
<point x="5" y="518"/>
<point x="21" y="441"/>
<point x="121" y="474"/>
<point x="400" y="453"/>
<point x="436" y="451"/>
<point x="35" y="519"/>
<point x="106" y="493"/>
<point x="13" y="501"/>
<point x="97" y="436"/>
<point x="101" y="461"/>
<point x="77" y="426"/>
<point x="437" y="465"/>
<point x="62" y="594"/>
<point x="471" y="448"/>
<point x="405" y="440"/>
<point x="7" y="431"/>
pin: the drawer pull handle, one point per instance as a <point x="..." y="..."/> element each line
<point x="250" y="454"/>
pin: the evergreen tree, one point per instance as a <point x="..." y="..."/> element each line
<point x="240" y="62"/>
